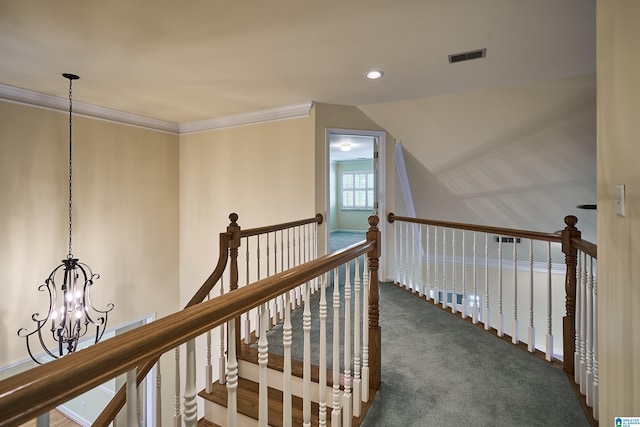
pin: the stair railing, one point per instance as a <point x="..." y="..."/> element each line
<point x="464" y="268"/>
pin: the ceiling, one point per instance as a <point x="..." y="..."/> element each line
<point x="184" y="62"/>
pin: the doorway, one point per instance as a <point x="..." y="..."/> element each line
<point x="356" y="185"/>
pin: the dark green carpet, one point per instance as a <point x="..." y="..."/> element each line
<point x="438" y="370"/>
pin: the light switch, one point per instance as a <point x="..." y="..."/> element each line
<point x="619" y="200"/>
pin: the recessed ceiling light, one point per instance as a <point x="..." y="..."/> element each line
<point x="375" y="74"/>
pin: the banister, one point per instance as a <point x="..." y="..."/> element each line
<point x="585" y="246"/>
<point x="26" y="395"/>
<point x="527" y="234"/>
<point x="271" y="228"/>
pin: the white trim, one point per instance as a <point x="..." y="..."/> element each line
<point x="382" y="182"/>
<point x="56" y="103"/>
<point x="251" y="118"/>
<point x="51" y="102"/>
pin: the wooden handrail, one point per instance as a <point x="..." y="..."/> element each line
<point x="26" y="395"/>
<point x="585" y="246"/>
<point x="271" y="228"/>
<point x="526" y="234"/>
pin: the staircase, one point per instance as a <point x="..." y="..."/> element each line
<point x="248" y="393"/>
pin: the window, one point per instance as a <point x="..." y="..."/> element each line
<point x="357" y="190"/>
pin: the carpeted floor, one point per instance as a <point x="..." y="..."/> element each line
<point x="438" y="370"/>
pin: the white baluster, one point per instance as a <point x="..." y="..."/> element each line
<point x="428" y="266"/>
<point x="436" y="295"/>
<point x="306" y="361"/>
<point x="578" y="310"/>
<point x="454" y="297"/>
<point x="282" y="298"/>
<point x="414" y="264"/>
<point x="475" y="280"/>
<point x="514" y="335"/>
<point x="407" y="268"/>
<point x="500" y="313"/>
<point x="589" y="319"/>
<point x="335" y="414"/>
<point x="208" y="367"/>
<point x="158" y="419"/>
<point x="347" y="404"/>
<point x="132" y="399"/>
<point x="487" y="311"/>
<point x="365" y="330"/>
<point x="177" y="417"/>
<point x="596" y="407"/>
<point x="263" y="360"/>
<point x="464" y="275"/>
<point x="549" y="355"/>
<point x="444" y="268"/>
<point x="300" y="261"/>
<point x="322" y="386"/>
<point x="222" y="362"/>
<point x="232" y="375"/>
<point x="532" y="330"/>
<point x="420" y="280"/>
<point x="247" y="317"/>
<point x="583" y="326"/>
<point x="287" y="340"/>
<point x="357" y="383"/>
<point x="396" y="245"/>
<point x="190" y="404"/>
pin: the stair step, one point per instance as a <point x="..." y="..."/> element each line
<point x="248" y="395"/>
<point x="203" y="422"/>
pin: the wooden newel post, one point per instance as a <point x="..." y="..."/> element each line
<point x="234" y="243"/>
<point x="375" y="341"/>
<point x="569" y="320"/>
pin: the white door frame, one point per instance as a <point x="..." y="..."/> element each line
<point x="381" y="183"/>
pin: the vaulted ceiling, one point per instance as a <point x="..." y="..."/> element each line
<point x="181" y="62"/>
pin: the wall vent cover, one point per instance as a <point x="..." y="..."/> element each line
<point x="506" y="239"/>
<point x="466" y="56"/>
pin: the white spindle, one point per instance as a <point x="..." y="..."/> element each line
<point x="208" y="367"/>
<point x="583" y="327"/>
<point x="300" y="261"/>
<point x="487" y="311"/>
<point x="464" y="275"/>
<point x="282" y="298"/>
<point x="454" y="297"/>
<point x="222" y="361"/>
<point x="346" y="401"/>
<point x="475" y="280"/>
<point x="287" y="340"/>
<point x="407" y="267"/>
<point x="365" y="330"/>
<point x="335" y="414"/>
<point x="577" y="314"/>
<point x="357" y="395"/>
<point x="589" y="318"/>
<point x="132" y="399"/>
<point x="596" y="407"/>
<point x="436" y="294"/>
<point x="322" y="386"/>
<point x="500" y="313"/>
<point x="190" y="394"/>
<point x="247" y="316"/>
<point x="158" y="405"/>
<point x="444" y="268"/>
<point x="306" y="361"/>
<point x="177" y="416"/>
<point x="428" y="266"/>
<point x="532" y="330"/>
<point x="232" y="375"/>
<point x="263" y="360"/>
<point x="549" y="355"/>
<point x="514" y="335"/>
<point x="418" y="261"/>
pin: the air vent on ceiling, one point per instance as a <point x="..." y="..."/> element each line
<point x="466" y="56"/>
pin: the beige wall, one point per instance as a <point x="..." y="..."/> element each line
<point x="263" y="172"/>
<point x="125" y="217"/>
<point x="348" y="117"/>
<point x="518" y="156"/>
<point x="618" y="237"/>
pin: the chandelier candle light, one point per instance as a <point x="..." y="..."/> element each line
<point x="73" y="314"/>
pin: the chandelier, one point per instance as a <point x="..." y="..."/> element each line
<point x="71" y="313"/>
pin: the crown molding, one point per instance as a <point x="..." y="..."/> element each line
<point x="42" y="100"/>
<point x="255" y="117"/>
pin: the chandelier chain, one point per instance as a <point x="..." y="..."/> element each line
<point x="70" y="254"/>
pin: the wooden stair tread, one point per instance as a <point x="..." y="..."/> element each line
<point x="248" y="392"/>
<point x="203" y="422"/>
